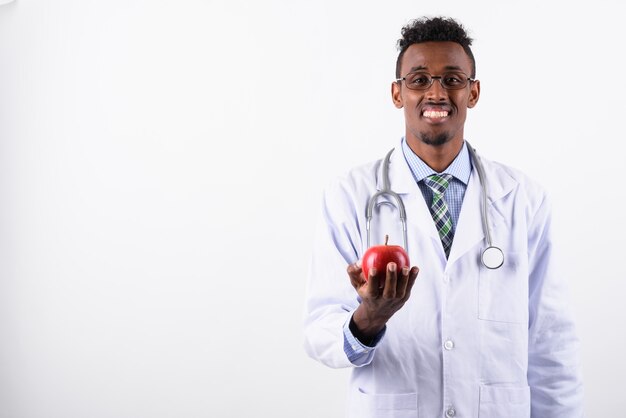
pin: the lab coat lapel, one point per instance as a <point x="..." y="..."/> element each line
<point x="469" y="230"/>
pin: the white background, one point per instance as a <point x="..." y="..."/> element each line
<point x="161" y="166"/>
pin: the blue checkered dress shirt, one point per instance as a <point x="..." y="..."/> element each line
<point x="460" y="169"/>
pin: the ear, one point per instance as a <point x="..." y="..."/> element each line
<point x="474" y="94"/>
<point x="396" y="97"/>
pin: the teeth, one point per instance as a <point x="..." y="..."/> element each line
<point x="435" y="114"/>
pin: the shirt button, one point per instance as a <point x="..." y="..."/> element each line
<point x="450" y="413"/>
<point x="448" y="345"/>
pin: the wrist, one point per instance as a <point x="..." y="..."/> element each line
<point x="364" y="326"/>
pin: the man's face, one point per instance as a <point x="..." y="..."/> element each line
<point x="435" y="116"/>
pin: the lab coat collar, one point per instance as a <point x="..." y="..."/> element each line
<point x="400" y="175"/>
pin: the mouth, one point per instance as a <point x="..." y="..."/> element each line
<point x="435" y="114"/>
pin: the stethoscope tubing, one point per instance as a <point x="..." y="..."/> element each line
<point x="492" y="257"/>
<point x="386" y="190"/>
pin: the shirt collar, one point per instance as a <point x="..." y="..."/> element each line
<point x="460" y="168"/>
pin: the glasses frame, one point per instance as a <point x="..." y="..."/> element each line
<point x="432" y="80"/>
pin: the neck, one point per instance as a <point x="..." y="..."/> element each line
<point x="437" y="157"/>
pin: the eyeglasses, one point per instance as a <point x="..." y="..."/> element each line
<point x="423" y="81"/>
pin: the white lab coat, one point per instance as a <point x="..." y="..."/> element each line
<point x="470" y="342"/>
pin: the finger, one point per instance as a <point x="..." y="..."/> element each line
<point x="412" y="278"/>
<point x="356" y="275"/>
<point x="403" y="281"/>
<point x="391" y="281"/>
<point x="373" y="283"/>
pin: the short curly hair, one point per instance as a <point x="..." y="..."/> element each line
<point x="440" y="29"/>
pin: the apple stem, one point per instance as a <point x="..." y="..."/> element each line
<point x="386" y="239"/>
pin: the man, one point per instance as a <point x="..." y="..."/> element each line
<point x="465" y="339"/>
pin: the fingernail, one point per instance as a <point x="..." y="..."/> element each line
<point x="373" y="271"/>
<point x="358" y="263"/>
<point x="405" y="271"/>
<point x="392" y="266"/>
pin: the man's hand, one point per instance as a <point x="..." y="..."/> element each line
<point x="379" y="302"/>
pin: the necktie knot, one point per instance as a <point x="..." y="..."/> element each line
<point x="438" y="183"/>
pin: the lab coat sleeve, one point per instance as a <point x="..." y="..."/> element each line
<point x="330" y="297"/>
<point x="358" y="353"/>
<point x="553" y="359"/>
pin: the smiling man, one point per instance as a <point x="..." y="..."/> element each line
<point x="485" y="330"/>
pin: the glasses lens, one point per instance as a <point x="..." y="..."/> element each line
<point x="454" y="81"/>
<point x="418" y="81"/>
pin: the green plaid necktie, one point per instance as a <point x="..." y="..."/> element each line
<point x="439" y="208"/>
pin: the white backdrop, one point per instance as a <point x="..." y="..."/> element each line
<point x="162" y="162"/>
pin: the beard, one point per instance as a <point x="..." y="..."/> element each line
<point x="435" y="140"/>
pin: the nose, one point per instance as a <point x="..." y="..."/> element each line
<point x="436" y="91"/>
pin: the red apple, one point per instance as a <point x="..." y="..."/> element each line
<point x="379" y="256"/>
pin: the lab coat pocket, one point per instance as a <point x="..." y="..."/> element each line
<point x="504" y="402"/>
<point x="391" y="405"/>
<point x="503" y="292"/>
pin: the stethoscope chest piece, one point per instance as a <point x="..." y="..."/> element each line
<point x="492" y="257"/>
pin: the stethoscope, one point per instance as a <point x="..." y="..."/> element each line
<point x="492" y="257"/>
